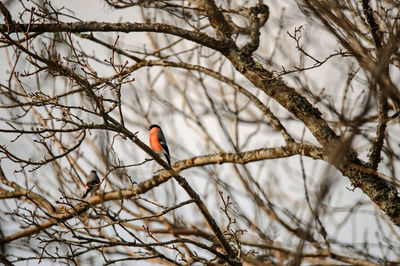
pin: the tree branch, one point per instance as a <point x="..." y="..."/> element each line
<point x="126" y="27"/>
<point x="377" y="144"/>
<point x="218" y="22"/>
<point x="374" y="28"/>
<point x="254" y="42"/>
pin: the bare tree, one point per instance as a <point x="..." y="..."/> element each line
<point x="282" y="120"/>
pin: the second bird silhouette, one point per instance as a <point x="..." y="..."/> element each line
<point x="158" y="143"/>
<point x="92" y="183"/>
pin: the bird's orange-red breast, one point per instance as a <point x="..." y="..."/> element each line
<point x="154" y="140"/>
<point x="158" y="143"/>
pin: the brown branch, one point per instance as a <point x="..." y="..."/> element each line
<point x="255" y="25"/>
<point x="374" y="28"/>
<point x="377" y="144"/>
<point x="175" y="231"/>
<point x="289" y="150"/>
<point x="126" y="27"/>
<point x="247" y="30"/>
<point x="218" y="22"/>
<point x="5" y="261"/>
<point x="7" y="17"/>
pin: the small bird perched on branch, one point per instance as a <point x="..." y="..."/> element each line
<point x="92" y="183"/>
<point x="158" y="143"/>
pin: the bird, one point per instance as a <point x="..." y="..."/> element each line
<point x="158" y="143"/>
<point x="92" y="183"/>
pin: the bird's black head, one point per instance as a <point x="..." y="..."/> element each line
<point x="93" y="171"/>
<point x="154" y="125"/>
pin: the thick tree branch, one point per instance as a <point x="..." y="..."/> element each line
<point x="218" y="22"/>
<point x="126" y="27"/>
<point x="5" y="261"/>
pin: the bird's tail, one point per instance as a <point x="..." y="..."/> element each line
<point x="86" y="193"/>
<point x="168" y="158"/>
